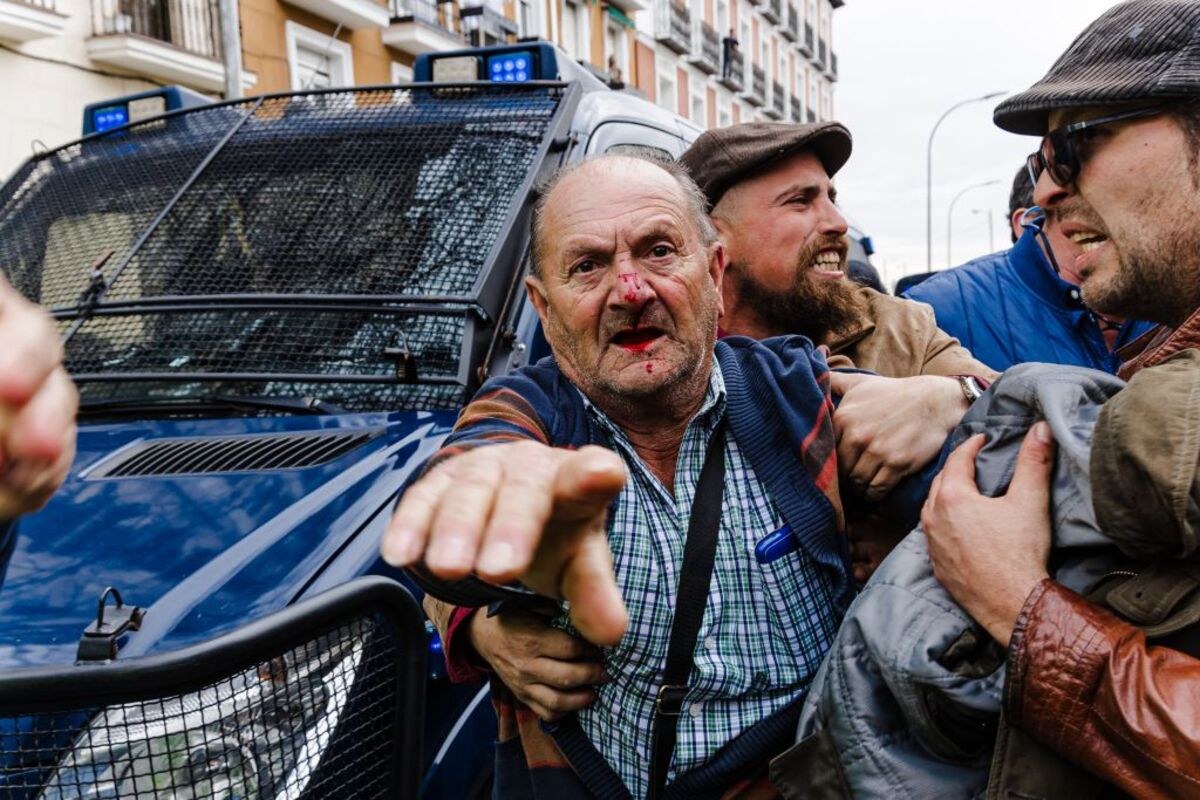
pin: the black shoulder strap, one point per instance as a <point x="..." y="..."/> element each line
<point x="695" y="578"/>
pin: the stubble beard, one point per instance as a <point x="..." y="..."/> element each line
<point x="1157" y="277"/>
<point x="814" y="307"/>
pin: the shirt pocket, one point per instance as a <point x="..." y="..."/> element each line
<point x="799" y="607"/>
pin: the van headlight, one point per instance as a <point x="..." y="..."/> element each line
<point x="257" y="734"/>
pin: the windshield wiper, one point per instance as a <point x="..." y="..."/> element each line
<point x="202" y="403"/>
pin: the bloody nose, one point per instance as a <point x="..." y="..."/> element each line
<point x="632" y="288"/>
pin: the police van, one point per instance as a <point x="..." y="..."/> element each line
<point x="274" y="309"/>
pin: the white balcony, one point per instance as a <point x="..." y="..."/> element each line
<point x="24" y="22"/>
<point x="353" y="15"/>
<point x="166" y="62"/>
<point x="424" y="26"/>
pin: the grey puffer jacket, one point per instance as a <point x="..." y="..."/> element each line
<point x="910" y="693"/>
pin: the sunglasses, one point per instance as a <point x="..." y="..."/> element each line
<point x="1062" y="150"/>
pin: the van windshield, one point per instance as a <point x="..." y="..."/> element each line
<point x="315" y="244"/>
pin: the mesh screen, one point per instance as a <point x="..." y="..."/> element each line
<point x="315" y="722"/>
<point x="363" y="193"/>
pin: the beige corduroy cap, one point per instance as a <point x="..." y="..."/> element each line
<point x="1138" y="51"/>
<point x="722" y="157"/>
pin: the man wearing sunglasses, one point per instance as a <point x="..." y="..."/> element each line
<point x="1023" y="304"/>
<point x="1119" y="168"/>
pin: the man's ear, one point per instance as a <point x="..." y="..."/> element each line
<point x="1014" y="222"/>
<point x="536" y="291"/>
<point x="722" y="226"/>
<point x="716" y="270"/>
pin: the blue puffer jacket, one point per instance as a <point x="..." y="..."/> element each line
<point x="1010" y="307"/>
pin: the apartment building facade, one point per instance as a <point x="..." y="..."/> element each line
<point x="56" y="56"/>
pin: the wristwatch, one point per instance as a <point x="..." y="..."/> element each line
<point x="970" y="388"/>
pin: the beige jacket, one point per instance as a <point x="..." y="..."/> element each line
<point x="899" y="338"/>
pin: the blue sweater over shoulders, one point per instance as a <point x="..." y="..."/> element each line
<point x="1010" y="307"/>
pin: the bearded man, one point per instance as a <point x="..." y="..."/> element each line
<point x="771" y="196"/>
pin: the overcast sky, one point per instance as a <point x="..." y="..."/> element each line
<point x="901" y="63"/>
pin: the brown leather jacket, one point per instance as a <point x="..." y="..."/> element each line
<point x="1086" y="684"/>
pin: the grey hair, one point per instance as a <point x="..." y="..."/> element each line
<point x="695" y="199"/>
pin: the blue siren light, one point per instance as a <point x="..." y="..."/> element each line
<point x="104" y="119"/>
<point x="510" y="67"/>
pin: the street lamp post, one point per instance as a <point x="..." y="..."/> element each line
<point x="991" y="227"/>
<point x="929" y="175"/>
<point x="950" y="217"/>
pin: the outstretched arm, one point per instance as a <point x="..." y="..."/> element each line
<point x="520" y="511"/>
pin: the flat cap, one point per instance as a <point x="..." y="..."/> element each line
<point x="722" y="157"/>
<point x="1138" y="51"/>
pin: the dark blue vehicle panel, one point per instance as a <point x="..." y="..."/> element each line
<point x="204" y="553"/>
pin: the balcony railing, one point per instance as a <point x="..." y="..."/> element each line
<point x="756" y="91"/>
<point x="806" y="44"/>
<point x="796" y="115"/>
<point x="427" y="11"/>
<point x="778" y="101"/>
<point x="821" y="53"/>
<point x="771" y="10"/>
<point x="192" y="25"/>
<point x="833" y="65"/>
<point x="484" y="26"/>
<point x="812" y="115"/>
<point x="45" y="5"/>
<point x="733" y="69"/>
<point x="790" y="28"/>
<point x="673" y="25"/>
<point x="706" y="47"/>
<point x="423" y="26"/>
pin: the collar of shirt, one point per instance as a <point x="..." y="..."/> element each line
<point x="711" y="411"/>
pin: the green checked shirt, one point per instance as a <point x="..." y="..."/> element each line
<point x="766" y="626"/>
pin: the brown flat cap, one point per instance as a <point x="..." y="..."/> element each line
<point x="722" y="157"/>
<point x="1139" y="51"/>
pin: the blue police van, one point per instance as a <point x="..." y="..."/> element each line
<point x="273" y="308"/>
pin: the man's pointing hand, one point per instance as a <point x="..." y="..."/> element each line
<point x="521" y="511"/>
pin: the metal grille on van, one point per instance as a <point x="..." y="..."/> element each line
<point x="232" y="454"/>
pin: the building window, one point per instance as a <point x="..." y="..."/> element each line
<point x="666" y="94"/>
<point x="576" y="31"/>
<point x="317" y="61"/>
<point x="616" y="51"/>
<point x="698" y="112"/>
<point x="401" y="73"/>
<point x="724" y="117"/>
<point x="527" y="20"/>
<point x="722" y="21"/>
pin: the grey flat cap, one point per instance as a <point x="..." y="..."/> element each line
<point x="1138" y="51"/>
<point x="722" y="157"/>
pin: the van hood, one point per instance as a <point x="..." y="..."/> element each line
<point x="203" y="552"/>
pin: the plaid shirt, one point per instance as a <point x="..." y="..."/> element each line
<point x="766" y="626"/>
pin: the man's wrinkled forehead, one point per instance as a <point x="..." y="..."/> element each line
<point x="603" y="194"/>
